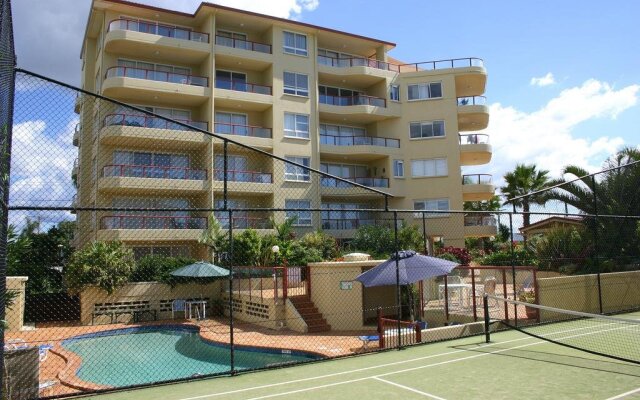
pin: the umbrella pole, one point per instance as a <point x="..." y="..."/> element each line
<point x="398" y="294"/>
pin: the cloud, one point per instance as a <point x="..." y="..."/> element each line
<point x="548" y="137"/>
<point x="546" y="80"/>
<point x="62" y="23"/>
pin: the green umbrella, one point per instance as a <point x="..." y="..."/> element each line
<point x="201" y="269"/>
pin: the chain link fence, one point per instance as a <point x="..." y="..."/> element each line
<point x="197" y="246"/>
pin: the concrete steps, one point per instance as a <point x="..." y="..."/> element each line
<point x="310" y="315"/>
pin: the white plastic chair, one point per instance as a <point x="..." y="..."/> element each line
<point x="178" y="305"/>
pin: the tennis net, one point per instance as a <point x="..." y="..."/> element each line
<point x="608" y="336"/>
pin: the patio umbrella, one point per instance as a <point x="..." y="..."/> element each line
<point x="412" y="267"/>
<point x="201" y="269"/>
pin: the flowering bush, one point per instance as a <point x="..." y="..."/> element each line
<point x="461" y="255"/>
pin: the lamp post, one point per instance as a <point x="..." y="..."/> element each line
<point x="275" y="250"/>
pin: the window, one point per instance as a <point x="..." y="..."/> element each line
<point x="429" y="168"/>
<point x="340" y="135"/>
<point x="336" y="217"/>
<point x="154" y="72"/>
<point x="232" y="39"/>
<point x="296" y="173"/>
<point x="231" y="123"/>
<point x="398" y="168"/>
<point x="429" y="205"/>
<point x="423" y="91"/>
<point x="297" y="84"/>
<point x="338" y="96"/>
<point x="296" y="125"/>
<point x="426" y="129"/>
<point x="231" y="80"/>
<point x="394" y="93"/>
<point x="165" y="251"/>
<point x="304" y="217"/>
<point x="295" y="43"/>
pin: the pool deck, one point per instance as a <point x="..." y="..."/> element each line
<point x="61" y="365"/>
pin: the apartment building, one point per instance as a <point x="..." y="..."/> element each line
<point x="332" y="100"/>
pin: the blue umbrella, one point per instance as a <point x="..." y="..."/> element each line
<point x="201" y="269"/>
<point x="412" y="267"/>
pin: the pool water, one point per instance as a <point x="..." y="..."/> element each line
<point x="137" y="356"/>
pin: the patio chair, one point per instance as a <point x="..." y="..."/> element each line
<point x="366" y="339"/>
<point x="489" y="287"/>
<point x="178" y="305"/>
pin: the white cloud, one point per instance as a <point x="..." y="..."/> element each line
<point x="546" y="80"/>
<point x="548" y="138"/>
<point x="277" y="8"/>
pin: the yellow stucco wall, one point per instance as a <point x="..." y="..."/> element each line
<point x="15" y="315"/>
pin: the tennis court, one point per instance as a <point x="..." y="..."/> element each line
<point x="512" y="365"/>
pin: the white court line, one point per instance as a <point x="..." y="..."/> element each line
<point x="425" y="366"/>
<point x="425" y="394"/>
<point x="368" y="368"/>
<point x="625" y="394"/>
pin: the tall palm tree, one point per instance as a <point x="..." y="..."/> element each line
<point x="522" y="184"/>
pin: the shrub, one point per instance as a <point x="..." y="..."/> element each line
<point x="460" y="256"/>
<point x="158" y="268"/>
<point x="297" y="254"/>
<point x="375" y="240"/>
<point x="561" y="248"/>
<point x="325" y="244"/>
<point x="449" y="257"/>
<point x="410" y="238"/>
<point x="246" y="248"/>
<point x="105" y="264"/>
<point x="503" y="257"/>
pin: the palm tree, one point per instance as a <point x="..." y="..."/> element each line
<point x="614" y="192"/>
<point x="215" y="237"/>
<point x="522" y="187"/>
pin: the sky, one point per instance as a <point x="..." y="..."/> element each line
<point x="564" y="76"/>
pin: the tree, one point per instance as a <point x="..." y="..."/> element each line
<point x="612" y="193"/>
<point x="215" y="237"/>
<point x="105" y="264"/>
<point x="526" y="181"/>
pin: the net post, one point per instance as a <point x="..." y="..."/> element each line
<point x="596" y="241"/>
<point x="473" y="290"/>
<point x="398" y="294"/>
<point x="380" y="328"/>
<point x="513" y="267"/>
<point x="485" y="304"/>
<point x="424" y="234"/>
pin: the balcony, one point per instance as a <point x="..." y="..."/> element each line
<point x="152" y="179"/>
<point x="361" y="71"/>
<point x="477" y="187"/>
<point x="74" y="170"/>
<point x="77" y="103"/>
<point x="150" y="228"/>
<point x="359" y="109"/>
<point x="345" y="228"/>
<point x="480" y="225"/>
<point x="470" y="74"/>
<point x="369" y="182"/>
<point x="360" y="148"/>
<point x="251" y="55"/>
<point x="142" y="130"/>
<point x="249" y="135"/>
<point x="144" y="85"/>
<point x="245" y="222"/>
<point x="475" y="149"/>
<point x="76" y="135"/>
<point x="473" y="114"/>
<point x="149" y="39"/>
<point x="244" y="182"/>
<point x="252" y="97"/>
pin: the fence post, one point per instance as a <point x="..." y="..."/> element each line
<point x="232" y="261"/>
<point x="424" y="234"/>
<point x="8" y="76"/>
<point x="473" y="291"/>
<point x="226" y="169"/>
<point x="380" y="328"/>
<point x="398" y="294"/>
<point x="513" y="269"/>
<point x="595" y="239"/>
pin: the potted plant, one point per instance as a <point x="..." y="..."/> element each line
<point x="528" y="296"/>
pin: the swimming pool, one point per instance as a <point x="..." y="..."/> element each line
<point x="140" y="355"/>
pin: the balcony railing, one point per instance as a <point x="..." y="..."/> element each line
<point x="158" y="29"/>
<point x="245" y="222"/>
<point x="159" y="76"/>
<point x="150" y="122"/>
<point x="242" y="86"/>
<point x="472" y="101"/>
<point x="359" y="141"/>
<point x="152" y="222"/>
<point x="479" y="138"/>
<point x="476" y="179"/>
<point x="357" y="62"/>
<point x="354" y="223"/>
<point x="370" y="182"/>
<point x="442" y="64"/>
<point x="241" y="130"/>
<point x="359" y="100"/>
<point x="479" y="220"/>
<point x="243" y="44"/>
<point x="154" y="172"/>
<point x="243" y="176"/>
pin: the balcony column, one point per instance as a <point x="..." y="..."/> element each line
<point x="381" y="54"/>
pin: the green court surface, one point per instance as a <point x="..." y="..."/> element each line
<point x="512" y="366"/>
